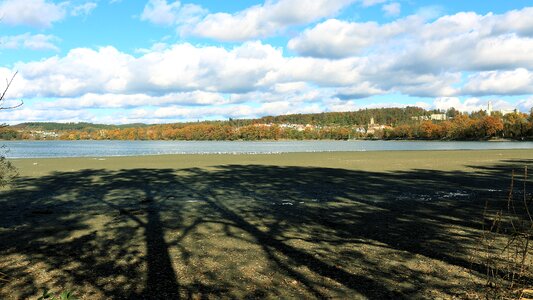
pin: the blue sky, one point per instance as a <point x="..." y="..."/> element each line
<point x="160" y="61"/>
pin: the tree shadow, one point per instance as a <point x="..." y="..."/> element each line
<point x="246" y="231"/>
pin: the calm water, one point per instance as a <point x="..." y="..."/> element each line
<point x="35" y="149"/>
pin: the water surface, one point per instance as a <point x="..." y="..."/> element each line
<point x="42" y="149"/>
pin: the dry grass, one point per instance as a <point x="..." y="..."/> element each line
<point x="506" y="241"/>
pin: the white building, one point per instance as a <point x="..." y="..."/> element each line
<point x="504" y="112"/>
<point x="438" y="117"/>
<point x="507" y="111"/>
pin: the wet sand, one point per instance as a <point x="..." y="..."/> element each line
<point x="368" y="161"/>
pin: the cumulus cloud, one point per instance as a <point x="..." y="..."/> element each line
<point x="514" y="82"/>
<point x="181" y="67"/>
<point x="36" y="13"/>
<point x="460" y="42"/>
<point x="421" y="58"/>
<point x="339" y="39"/>
<point x="41" y="13"/>
<point x="80" y="71"/>
<point x="253" y="66"/>
<point x="26" y="114"/>
<point x="93" y="100"/>
<point x="250" y="67"/>
<point x="362" y="90"/>
<point x="267" y="19"/>
<point x="452" y="57"/>
<point x="392" y="9"/>
<point x="29" y="41"/>
<point x="263" y="20"/>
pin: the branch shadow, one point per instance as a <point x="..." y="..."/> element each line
<point x="246" y="231"/>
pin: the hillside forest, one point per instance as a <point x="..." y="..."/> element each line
<point x="408" y="123"/>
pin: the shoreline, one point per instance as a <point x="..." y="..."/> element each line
<point x="107" y="149"/>
<point x="285" y="140"/>
<point x="257" y="153"/>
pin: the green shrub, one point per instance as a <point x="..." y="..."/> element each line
<point x="66" y="295"/>
<point x="7" y="171"/>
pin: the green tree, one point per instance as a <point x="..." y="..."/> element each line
<point x="515" y="125"/>
<point x="452" y="112"/>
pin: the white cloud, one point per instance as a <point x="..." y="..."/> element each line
<point x="337" y="39"/>
<point x="181" y="67"/>
<point x="460" y="42"/>
<point x="519" y="21"/>
<point x="263" y="20"/>
<point x="469" y="104"/>
<point x="83" y="9"/>
<point x="343" y="62"/>
<point x="223" y="112"/>
<point x="212" y="69"/>
<point x="294" y="92"/>
<point x="92" y="100"/>
<point x="420" y="58"/>
<point x="362" y="90"/>
<point x="267" y="19"/>
<point x="392" y="9"/>
<point x="518" y="82"/>
<point x="525" y="105"/>
<point x="26" y="114"/>
<point x="80" y="71"/>
<point x="250" y="67"/>
<point x="431" y="12"/>
<point x="29" y="41"/>
<point x="367" y="3"/>
<point x="161" y="12"/>
<point x="36" y="13"/>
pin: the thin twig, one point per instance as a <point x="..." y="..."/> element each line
<point x="3" y="95"/>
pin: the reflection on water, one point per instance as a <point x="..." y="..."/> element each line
<point x="35" y="149"/>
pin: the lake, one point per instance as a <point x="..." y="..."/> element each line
<point x="43" y="149"/>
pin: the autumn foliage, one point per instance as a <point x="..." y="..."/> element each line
<point x="334" y="126"/>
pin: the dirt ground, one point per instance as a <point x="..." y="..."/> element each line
<point x="358" y="225"/>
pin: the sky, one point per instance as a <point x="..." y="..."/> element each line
<point x="163" y="61"/>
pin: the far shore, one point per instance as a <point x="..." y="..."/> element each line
<point x="284" y="140"/>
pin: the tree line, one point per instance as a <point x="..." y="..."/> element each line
<point x="395" y="123"/>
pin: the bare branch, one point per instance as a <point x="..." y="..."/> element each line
<point x="7" y="86"/>
<point x="3" y="95"/>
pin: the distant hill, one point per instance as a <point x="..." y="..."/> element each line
<point x="388" y="123"/>
<point x="361" y="117"/>
<point x="392" y="116"/>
